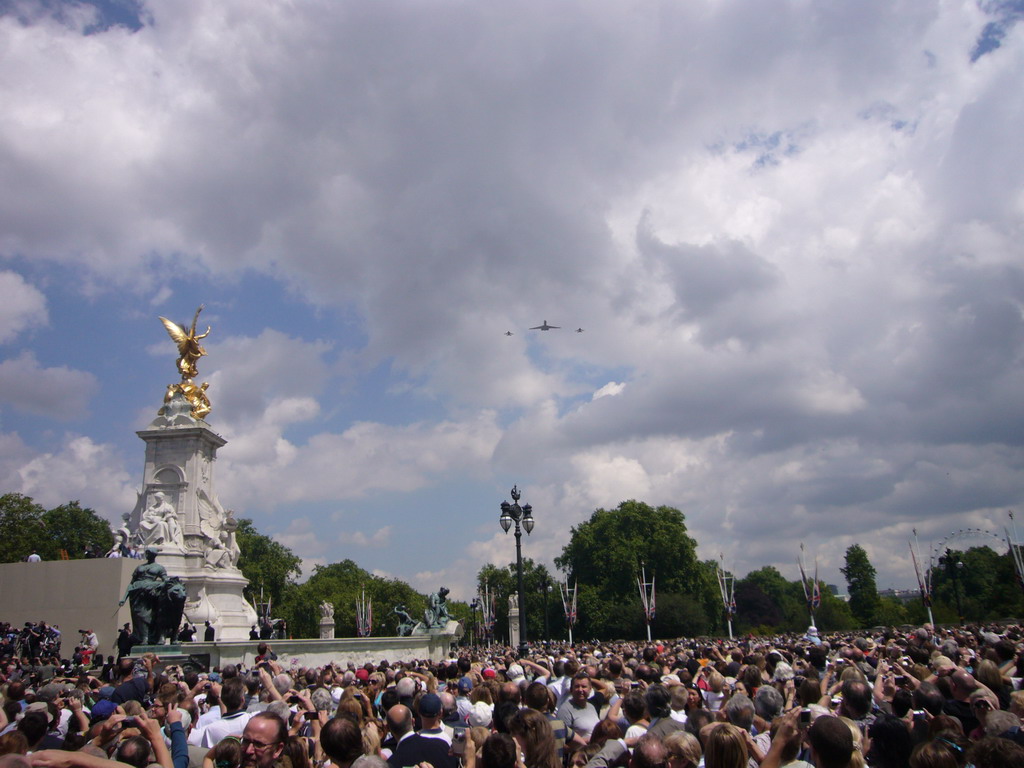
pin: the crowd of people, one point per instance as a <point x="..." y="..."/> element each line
<point x="923" y="698"/>
<point x="31" y="639"/>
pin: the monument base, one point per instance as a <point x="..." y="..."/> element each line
<point x="326" y="629"/>
<point x="214" y="594"/>
<point x="170" y="649"/>
<point x="174" y="656"/>
<point x="452" y="629"/>
<point x="292" y="654"/>
<point x="513" y="627"/>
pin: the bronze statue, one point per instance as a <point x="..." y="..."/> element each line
<point x="156" y="601"/>
<point x="189" y="352"/>
<point x="406" y="623"/>
<point x="436" y="614"/>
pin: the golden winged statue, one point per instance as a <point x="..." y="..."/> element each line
<point x="189" y="350"/>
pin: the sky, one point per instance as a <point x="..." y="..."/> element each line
<point x="790" y="231"/>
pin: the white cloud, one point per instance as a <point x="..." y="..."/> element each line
<point x="790" y="233"/>
<point x="58" y="393"/>
<point x="610" y="389"/>
<point x="22" y="306"/>
<point x="81" y="470"/>
<point x="365" y="458"/>
<point x="379" y="538"/>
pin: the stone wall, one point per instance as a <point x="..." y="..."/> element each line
<point x="73" y="594"/>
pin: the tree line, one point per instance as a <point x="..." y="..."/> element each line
<point x="603" y="557"/>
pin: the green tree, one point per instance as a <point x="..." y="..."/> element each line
<point x="891" y="612"/>
<point x="502" y="582"/>
<point x="74" y="528"/>
<point x="986" y="583"/>
<point x="342" y="585"/>
<point x="270" y="566"/>
<point x="22" y="529"/>
<point x="604" y="554"/>
<point x="834" y="614"/>
<point x="860" y="582"/>
<point x="764" y="598"/>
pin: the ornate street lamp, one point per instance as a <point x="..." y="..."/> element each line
<point x="954" y="565"/>
<point x="475" y="606"/>
<point x="513" y="513"/>
<point x="545" y="587"/>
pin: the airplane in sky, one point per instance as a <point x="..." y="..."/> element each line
<point x="509" y="333"/>
<point x="579" y="330"/>
<point x="544" y="327"/>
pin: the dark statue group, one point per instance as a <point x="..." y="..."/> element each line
<point x="157" y="602"/>
<point x="434" y="617"/>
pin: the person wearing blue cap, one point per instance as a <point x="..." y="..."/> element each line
<point x="430" y="707"/>
<point x="462" y="700"/>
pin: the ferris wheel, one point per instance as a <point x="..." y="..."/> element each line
<point x="965" y="538"/>
<point x="958" y="540"/>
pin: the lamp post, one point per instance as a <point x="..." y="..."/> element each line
<point x="954" y="565"/>
<point x="513" y="513"/>
<point x="474" y="606"/>
<point x="545" y="587"/>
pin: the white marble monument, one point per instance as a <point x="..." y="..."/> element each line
<point x="178" y="513"/>
<point x="513" y="620"/>
<point x="326" y="621"/>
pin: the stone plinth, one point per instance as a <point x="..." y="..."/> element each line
<point x="292" y="654"/>
<point x="180" y="455"/>
<point x="513" y="627"/>
<point x="326" y="628"/>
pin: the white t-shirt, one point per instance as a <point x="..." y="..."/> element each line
<point x="713" y="700"/>
<point x="232" y="725"/>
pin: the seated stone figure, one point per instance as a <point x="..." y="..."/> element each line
<point x="159" y="523"/>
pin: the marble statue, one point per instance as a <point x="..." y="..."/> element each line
<point x="159" y="523"/>
<point x="406" y="623"/>
<point x="157" y="601"/>
<point x="326" y="610"/>
<point x="218" y="529"/>
<point x="436" y="614"/>
<point x="121" y="546"/>
<point x="513" y="602"/>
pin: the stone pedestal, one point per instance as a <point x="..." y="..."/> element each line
<point x="326" y="628"/>
<point x="180" y="455"/>
<point x="513" y="627"/>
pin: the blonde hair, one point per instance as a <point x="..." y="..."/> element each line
<point x="715" y="681"/>
<point x="371" y="739"/>
<point x="857" y="758"/>
<point x="132" y="708"/>
<point x="1017" y="703"/>
<point x="852" y="672"/>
